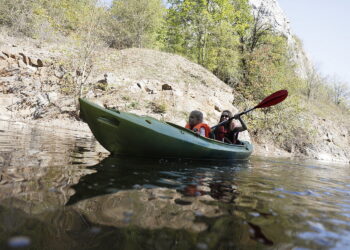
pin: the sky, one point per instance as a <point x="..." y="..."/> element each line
<point x="324" y="28"/>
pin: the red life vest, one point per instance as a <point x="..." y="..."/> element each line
<point x="198" y="128"/>
<point x="221" y="133"/>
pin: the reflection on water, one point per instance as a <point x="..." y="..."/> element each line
<point x="56" y="192"/>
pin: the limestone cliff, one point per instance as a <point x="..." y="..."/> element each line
<point x="272" y="14"/>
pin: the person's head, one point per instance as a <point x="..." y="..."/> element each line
<point x="195" y="118"/>
<point x="225" y="115"/>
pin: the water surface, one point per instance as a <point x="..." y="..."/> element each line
<point x="58" y="190"/>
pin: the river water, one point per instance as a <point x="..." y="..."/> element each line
<point x="59" y="190"/>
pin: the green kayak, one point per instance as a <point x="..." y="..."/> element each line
<point x="127" y="134"/>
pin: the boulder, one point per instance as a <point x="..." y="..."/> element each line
<point x="166" y="87"/>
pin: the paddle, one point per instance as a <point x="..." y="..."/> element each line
<point x="269" y="101"/>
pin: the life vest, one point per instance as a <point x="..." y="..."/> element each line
<point x="198" y="128"/>
<point x="222" y="132"/>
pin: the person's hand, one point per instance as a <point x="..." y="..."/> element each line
<point x="236" y="116"/>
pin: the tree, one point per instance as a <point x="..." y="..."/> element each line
<point x="341" y="91"/>
<point x="135" y="23"/>
<point x="17" y="15"/>
<point x="313" y="81"/>
<point x="206" y="31"/>
<point x="30" y="16"/>
<point x="251" y="39"/>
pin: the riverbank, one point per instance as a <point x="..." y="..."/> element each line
<point x="39" y="87"/>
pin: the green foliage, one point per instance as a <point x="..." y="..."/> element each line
<point x="134" y="105"/>
<point x="158" y="107"/>
<point x="38" y="17"/>
<point x="135" y="23"/>
<point x="17" y="14"/>
<point x="207" y="32"/>
<point x="268" y="68"/>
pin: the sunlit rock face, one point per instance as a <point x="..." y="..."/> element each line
<point x="272" y="13"/>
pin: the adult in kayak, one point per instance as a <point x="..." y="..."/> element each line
<point x="229" y="132"/>
<point x="195" y="123"/>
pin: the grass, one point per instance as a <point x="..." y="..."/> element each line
<point x="158" y="108"/>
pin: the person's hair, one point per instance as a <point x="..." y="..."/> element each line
<point x="197" y="114"/>
<point x="228" y="112"/>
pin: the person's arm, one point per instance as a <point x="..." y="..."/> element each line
<point x="202" y="132"/>
<point x="242" y="128"/>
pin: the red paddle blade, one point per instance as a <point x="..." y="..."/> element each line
<point x="273" y="99"/>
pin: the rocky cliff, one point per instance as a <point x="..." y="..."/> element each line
<point x="271" y="13"/>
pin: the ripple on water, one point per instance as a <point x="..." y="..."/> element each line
<point x="255" y="204"/>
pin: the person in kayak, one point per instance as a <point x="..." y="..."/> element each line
<point x="195" y="123"/>
<point x="229" y="132"/>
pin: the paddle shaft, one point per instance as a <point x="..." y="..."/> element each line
<point x="230" y="119"/>
<point x="271" y="100"/>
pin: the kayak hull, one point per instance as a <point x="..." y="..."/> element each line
<point x="127" y="134"/>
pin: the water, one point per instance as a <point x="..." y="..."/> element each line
<point x="58" y="190"/>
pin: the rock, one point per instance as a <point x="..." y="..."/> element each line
<point x="111" y="78"/>
<point x="148" y="90"/>
<point x="101" y="85"/>
<point x="90" y="94"/>
<point x="217" y="108"/>
<point x="59" y="74"/>
<point x="52" y="96"/>
<point x="134" y="88"/>
<point x="24" y="58"/>
<point x="42" y="100"/>
<point x="6" y="54"/>
<point x="37" y="85"/>
<point x="14" y="56"/>
<point x="178" y="93"/>
<point x="21" y="64"/>
<point x="39" y="112"/>
<point x="272" y="14"/>
<point x="204" y="82"/>
<point x="8" y="72"/>
<point x="40" y="63"/>
<point x="104" y="81"/>
<point x="166" y="87"/>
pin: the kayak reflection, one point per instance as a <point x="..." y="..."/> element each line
<point x="189" y="178"/>
<point x="153" y="195"/>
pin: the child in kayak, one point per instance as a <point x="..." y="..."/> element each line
<point x="229" y="132"/>
<point x="195" y="123"/>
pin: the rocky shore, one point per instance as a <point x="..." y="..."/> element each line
<point x="37" y="89"/>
